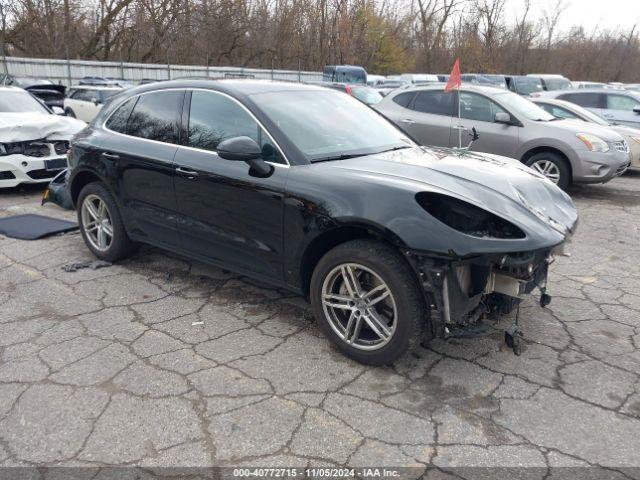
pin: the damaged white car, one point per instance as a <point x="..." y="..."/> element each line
<point x="33" y="141"/>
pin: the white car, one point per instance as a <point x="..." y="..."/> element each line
<point x="33" y="141"/>
<point x="85" y="101"/>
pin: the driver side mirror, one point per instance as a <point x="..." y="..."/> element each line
<point x="245" y="149"/>
<point x="95" y="101"/>
<point x="636" y="109"/>
<point x="502" y="117"/>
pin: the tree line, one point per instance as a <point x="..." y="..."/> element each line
<point x="384" y="36"/>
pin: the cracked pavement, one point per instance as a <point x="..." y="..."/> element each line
<point x="161" y="361"/>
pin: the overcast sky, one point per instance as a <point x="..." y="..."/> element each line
<point x="588" y="13"/>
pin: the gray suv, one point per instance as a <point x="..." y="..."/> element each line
<point x="564" y="151"/>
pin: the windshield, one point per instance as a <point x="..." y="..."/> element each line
<point x="495" y="80"/>
<point x="327" y="124"/>
<point x="366" y="95"/>
<point x="527" y="85"/>
<point x="523" y="107"/>
<point x="28" y="81"/>
<point x="20" y="101"/>
<point x="557" y="84"/>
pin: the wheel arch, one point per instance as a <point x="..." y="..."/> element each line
<point x="80" y="180"/>
<point x="535" y="150"/>
<point x="333" y="237"/>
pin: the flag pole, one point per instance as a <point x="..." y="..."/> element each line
<point x="459" y="120"/>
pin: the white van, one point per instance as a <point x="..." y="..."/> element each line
<point x="419" y="78"/>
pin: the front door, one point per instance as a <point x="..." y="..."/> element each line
<point x="620" y="109"/>
<point x="226" y="215"/>
<point x="478" y="111"/>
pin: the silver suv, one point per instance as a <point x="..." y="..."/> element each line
<point x="512" y="126"/>
<point x="617" y="106"/>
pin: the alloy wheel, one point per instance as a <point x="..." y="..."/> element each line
<point x="359" y="306"/>
<point x="548" y="169"/>
<point x="96" y="222"/>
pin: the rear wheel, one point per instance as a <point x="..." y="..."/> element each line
<point x="552" y="166"/>
<point x="101" y="224"/>
<point x="366" y="299"/>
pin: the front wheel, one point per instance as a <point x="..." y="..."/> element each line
<point x="70" y="113"/>
<point x="366" y="299"/>
<point x="552" y="166"/>
<point x="101" y="224"/>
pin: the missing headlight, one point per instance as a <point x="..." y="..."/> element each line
<point x="467" y="218"/>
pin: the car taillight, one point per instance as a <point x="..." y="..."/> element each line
<point x="348" y="90"/>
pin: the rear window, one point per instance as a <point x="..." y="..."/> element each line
<point x="404" y="99"/>
<point x="587" y="99"/>
<point x="118" y="120"/>
<point x="434" y="102"/>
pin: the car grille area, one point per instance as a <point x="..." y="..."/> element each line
<point x="621" y="146"/>
<point x="36" y="148"/>
<point x="42" y="174"/>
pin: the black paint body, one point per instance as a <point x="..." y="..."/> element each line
<point x="272" y="228"/>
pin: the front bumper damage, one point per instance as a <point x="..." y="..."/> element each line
<point x="461" y="293"/>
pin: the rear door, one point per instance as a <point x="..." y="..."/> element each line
<point x="478" y="111"/>
<point x="423" y="115"/>
<point x="141" y="151"/>
<point x="620" y="109"/>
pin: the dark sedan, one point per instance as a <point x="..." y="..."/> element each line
<point x="310" y="190"/>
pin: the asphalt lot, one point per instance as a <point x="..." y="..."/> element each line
<point x="159" y="361"/>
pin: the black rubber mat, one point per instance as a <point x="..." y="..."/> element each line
<point x="32" y="227"/>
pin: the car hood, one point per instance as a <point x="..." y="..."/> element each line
<point x="498" y="184"/>
<point x="578" y="126"/>
<point x="21" y="127"/>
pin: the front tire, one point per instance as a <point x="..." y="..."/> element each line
<point x="552" y="166"/>
<point x="70" y="113"/>
<point x="101" y="224"/>
<point x="367" y="301"/>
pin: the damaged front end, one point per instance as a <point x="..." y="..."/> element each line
<point x="462" y="292"/>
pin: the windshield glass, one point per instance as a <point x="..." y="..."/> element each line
<point x="527" y="85"/>
<point x="366" y="95"/>
<point x="20" y="101"/>
<point x="523" y="107"/>
<point x="326" y="124"/>
<point x="557" y="83"/>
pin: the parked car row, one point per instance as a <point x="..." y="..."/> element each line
<point x="509" y="125"/>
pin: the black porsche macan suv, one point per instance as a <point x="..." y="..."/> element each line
<point x="310" y="190"/>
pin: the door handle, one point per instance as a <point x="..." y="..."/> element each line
<point x="188" y="173"/>
<point x="110" y="156"/>
<point x="408" y="121"/>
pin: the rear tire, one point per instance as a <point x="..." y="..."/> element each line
<point x="101" y="224"/>
<point x="552" y="166"/>
<point x="377" y="267"/>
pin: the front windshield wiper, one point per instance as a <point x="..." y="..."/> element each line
<point x="342" y="156"/>
<point x="401" y="147"/>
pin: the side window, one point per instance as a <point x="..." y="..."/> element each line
<point x="78" y="94"/>
<point x="404" y="99"/>
<point x="478" y="107"/>
<point x="435" y="102"/>
<point x="214" y="117"/>
<point x="621" y="102"/>
<point x="118" y="120"/>
<point x="155" y="116"/>
<point x="587" y="99"/>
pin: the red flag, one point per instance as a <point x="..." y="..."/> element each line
<point x="455" y="79"/>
